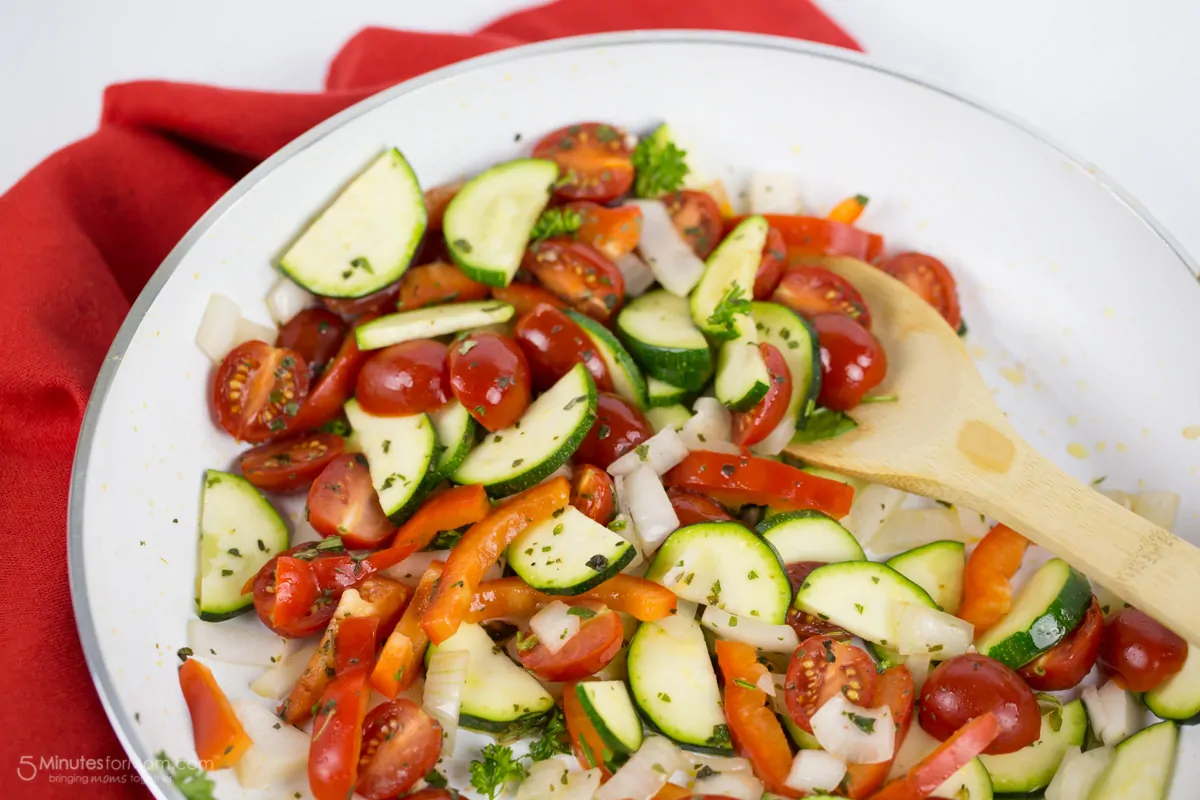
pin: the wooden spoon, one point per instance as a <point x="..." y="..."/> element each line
<point x="945" y="438"/>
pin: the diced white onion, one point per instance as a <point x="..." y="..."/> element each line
<point x="681" y="624"/>
<point x="872" y="506"/>
<point x="651" y="509"/>
<point x="918" y="665"/>
<point x="975" y="525"/>
<point x="766" y="684"/>
<point x="280" y="678"/>
<point x="734" y="764"/>
<point x="779" y="438"/>
<point x="218" y="327"/>
<point x="1161" y="508"/>
<point x="1113" y="712"/>
<point x="644" y="773"/>
<point x="710" y="428"/>
<point x="443" y="692"/>
<point x="1110" y="602"/>
<point x="815" y="769"/>
<point x="662" y="451"/>
<point x="674" y="264"/>
<point x="621" y="496"/>
<point x="410" y="570"/>
<point x="1120" y="498"/>
<point x="1079" y="773"/>
<point x="235" y="644"/>
<point x="564" y="471"/>
<point x="924" y="630"/>
<point x="287" y="299"/>
<point x="638" y="277"/>
<point x="554" y="625"/>
<point x="279" y="751"/>
<point x="738" y="785"/>
<point x="913" y="527"/>
<point x="779" y="699"/>
<point x="774" y="193"/>
<point x="836" y="731"/>
<point x="552" y="778"/>
<point x="250" y="331"/>
<point x="762" y="635"/>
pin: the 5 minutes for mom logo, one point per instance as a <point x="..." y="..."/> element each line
<point x="77" y="770"/>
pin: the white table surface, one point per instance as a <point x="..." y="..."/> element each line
<point x="1117" y="81"/>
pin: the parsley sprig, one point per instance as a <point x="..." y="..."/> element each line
<point x="191" y="781"/>
<point x="553" y="739"/>
<point x="661" y="167"/>
<point x="732" y="304"/>
<point x="497" y="768"/>
<point x="556" y="222"/>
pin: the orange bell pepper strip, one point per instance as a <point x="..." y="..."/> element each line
<point x="219" y="736"/>
<point x="672" y="791"/>
<point x="755" y="729"/>
<point x="479" y="549"/>
<point x="400" y="662"/>
<point x="644" y="600"/>
<point x="511" y="597"/>
<point x="452" y="509"/>
<point x="987" y="595"/>
<point x="894" y="689"/>
<point x="932" y="771"/>
<point x="813" y="236"/>
<point x="377" y="597"/>
<point x="849" y="210"/>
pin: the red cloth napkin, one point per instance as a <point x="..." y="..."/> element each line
<point x="81" y="234"/>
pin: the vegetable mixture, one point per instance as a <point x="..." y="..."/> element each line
<point x="541" y="418"/>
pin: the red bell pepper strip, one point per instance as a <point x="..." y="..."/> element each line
<point x="450" y="510"/>
<point x="480" y="547"/>
<point x="936" y="768"/>
<point x="337" y="728"/>
<point x="814" y="236"/>
<point x="354" y="644"/>
<point x="217" y="733"/>
<point x="335" y="386"/>
<point x="400" y="662"/>
<point x="737" y="480"/>
<point x="987" y="595"/>
<point x="755" y="729"/>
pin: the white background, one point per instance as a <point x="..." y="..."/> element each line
<point x="1118" y="81"/>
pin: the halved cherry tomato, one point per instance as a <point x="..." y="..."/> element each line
<point x="342" y="502"/>
<point x="525" y="297"/>
<point x="751" y="427"/>
<point x="400" y="744"/>
<point x="553" y="343"/>
<point x="967" y="686"/>
<point x="853" y="362"/>
<point x="593" y="160"/>
<point x="894" y="689"/>
<point x="612" y="231"/>
<point x="355" y="645"/>
<point x="835" y="667"/>
<point x="295" y="591"/>
<point x="735" y="481"/>
<point x="316" y="334"/>
<point x="698" y="219"/>
<point x="334" y="387"/>
<point x="218" y="735"/>
<point x="1068" y="662"/>
<point x="406" y="378"/>
<point x="436" y="200"/>
<point x="592" y="492"/>
<point x="770" y="269"/>
<point x="377" y="302"/>
<point x="266" y="598"/>
<point x="490" y="377"/>
<point x="1140" y="650"/>
<point x="619" y="427"/>
<point x="813" y="236"/>
<point x="937" y="767"/>
<point x="579" y="274"/>
<point x="337" y="735"/>
<point x="929" y="278"/>
<point x="810" y="290"/>
<point x="585" y="653"/>
<point x="692" y="508"/>
<point x="437" y="283"/>
<point x="292" y="464"/>
<point x="800" y="570"/>
<point x="258" y="390"/>
<point x="586" y="743"/>
<point x="806" y="625"/>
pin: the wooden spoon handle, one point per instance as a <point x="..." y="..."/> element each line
<point x="1147" y="566"/>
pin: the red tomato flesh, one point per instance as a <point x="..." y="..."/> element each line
<point x="772" y="266"/>
<point x="314" y="333"/>
<point x="342" y="502"/>
<point x="266" y="600"/>
<point x="751" y="427"/>
<point x="593" y="494"/>
<point x="579" y="274"/>
<point x="810" y="291"/>
<point x="853" y="361"/>
<point x="292" y="464"/>
<point x="619" y="427"/>
<point x="835" y="667"/>
<point x="333" y="388"/>
<point x="1140" y="650"/>
<point x="1065" y="665"/>
<point x="735" y="481"/>
<point x="587" y="652"/>
<point x="490" y="377"/>
<point x="593" y="161"/>
<point x="258" y="390"/>
<point x="698" y="219"/>
<point x="525" y="297"/>
<point x="692" y="508"/>
<point x="929" y="278"/>
<point x="406" y="378"/>
<point x="553" y="343"/>
<point x="437" y="283"/>
<point x="971" y="685"/>
<point x="400" y="745"/>
<point x="378" y="302"/>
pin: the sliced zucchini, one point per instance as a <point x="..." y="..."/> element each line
<point x="1032" y="768"/>
<point x="568" y="554"/>
<point x="488" y="223"/>
<point x="803" y="739"/>
<point x="519" y="456"/>
<point x="723" y="564"/>
<point x="366" y="237"/>
<point x="672" y="681"/>
<point x="611" y="712"/>
<point x="1141" y="765"/>
<point x="728" y="278"/>
<point x="861" y="597"/>
<point x="810" y="536"/>
<point x="742" y="375"/>
<point x="400" y="452"/>
<point x="794" y="337"/>
<point x="661" y="417"/>
<point x="1047" y="609"/>
<point x="1178" y="697"/>
<point x="499" y="697"/>
<point x="426" y="323"/>
<point x="455" y="428"/>
<point x="970" y="782"/>
<point x="626" y="377"/>
<point x="938" y="569"/>
<point x="239" y="532"/>
<point x="657" y="328"/>
<point x="661" y="394"/>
